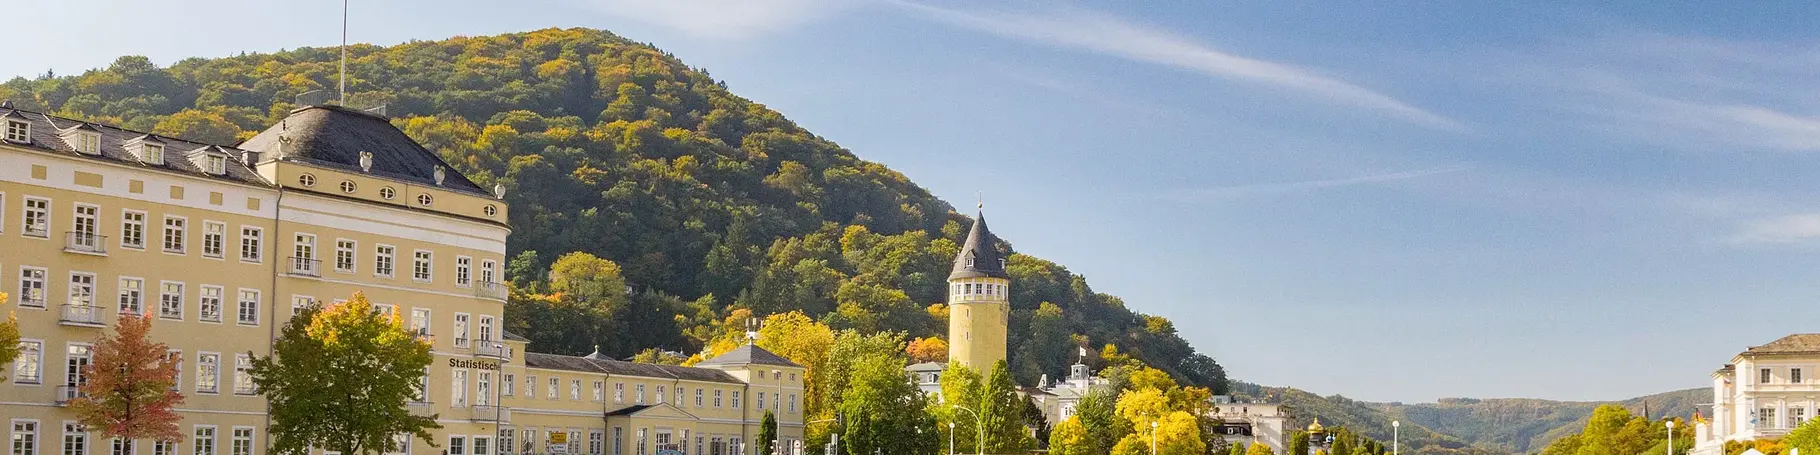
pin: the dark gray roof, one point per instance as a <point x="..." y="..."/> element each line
<point x="334" y="136"/>
<point x="749" y="354"/>
<point x="598" y="363"/>
<point x="629" y="410"/>
<point x="979" y="256"/>
<point x="514" y="337"/>
<point x="46" y="137"/>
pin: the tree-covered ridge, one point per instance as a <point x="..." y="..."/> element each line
<point x="701" y="202"/>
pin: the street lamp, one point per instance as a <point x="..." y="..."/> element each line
<point x="1153" y="437"/>
<point x="1396" y="435"/>
<point x="1671" y="436"/>
<point x="950" y="438"/>
<point x="979" y="444"/>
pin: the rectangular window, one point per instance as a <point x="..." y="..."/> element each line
<point x="596" y="441"/>
<point x="619" y="392"/>
<point x="132" y="296"/>
<point x="482" y="445"/>
<point x="1763" y="376"/>
<point x="575" y="389"/>
<point x="420" y="391"/>
<point x="555" y="383"/>
<point x="205" y="440"/>
<point x="486" y="273"/>
<point x="382" y="260"/>
<point x="82" y="289"/>
<point x="1767" y="415"/>
<point x="174" y="233"/>
<point x="660" y="394"/>
<point x="243" y="375"/>
<point x="792" y="403"/>
<point x="1796" y="416"/>
<point x="75" y="364"/>
<point x="641" y="441"/>
<point x="420" y="265"/>
<point x="162" y="447"/>
<point x="248" y="310"/>
<point x="486" y="328"/>
<point x="18" y="131"/>
<point x="679" y="397"/>
<point x="698" y="398"/>
<point x="619" y="435"/>
<point x="463" y="275"/>
<point x="461" y="331"/>
<point x="717" y="399"/>
<point x="37" y="217"/>
<point x="243" y="441"/>
<point x="530" y="386"/>
<point x="736" y="399"/>
<point x="75" y="439"/>
<point x="170" y="300"/>
<point x="214" y="239"/>
<point x="303" y="254"/>
<point x="599" y="390"/>
<point x="29" y="367"/>
<point x="1794" y="376"/>
<point x="505" y="441"/>
<point x="208" y="308"/>
<point x="506" y="382"/>
<point x="208" y="372"/>
<point x="640" y="395"/>
<point x="90" y="144"/>
<point x="250" y="248"/>
<point x="483" y="389"/>
<point x="299" y="302"/>
<point x="458" y="445"/>
<point x="420" y="321"/>
<point x="85" y="227"/>
<point x="458" y="387"/>
<point x="132" y="229"/>
<point x="25" y="437"/>
<point x="760" y="402"/>
<point x="344" y="256"/>
<point x="31" y="287"/>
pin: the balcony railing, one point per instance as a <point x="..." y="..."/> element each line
<point x="493" y="349"/>
<point x="67" y="393"/>
<point x="80" y="315"/>
<point x="490" y="290"/>
<point x="499" y="414"/>
<point x="305" y="267"/>
<point x="85" y="243"/>
<point x="420" y="409"/>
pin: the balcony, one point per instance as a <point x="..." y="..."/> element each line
<point x="420" y="409"/>
<point x="304" y="267"/>
<point x="490" y="290"/>
<point x="85" y="243"/>
<point x="80" y="315"/>
<point x="67" y="393"/>
<point x="491" y="349"/>
<point x="499" y="414"/>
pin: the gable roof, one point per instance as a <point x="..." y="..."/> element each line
<point x="749" y="354"/>
<point x="982" y="247"/>
<point x="47" y="136"/>
<point x="1800" y="343"/>
<point x="334" y="136"/>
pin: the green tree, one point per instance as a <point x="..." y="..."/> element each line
<point x="1098" y="412"/>
<point x="1259" y="449"/>
<point x="1002" y="412"/>
<point x="1805" y="437"/>
<point x="1069" y="438"/>
<point x="884" y="409"/>
<point x="1298" y="443"/>
<point x="200" y="126"/>
<point x="767" y="433"/>
<point x="131" y="385"/>
<point x="338" y="379"/>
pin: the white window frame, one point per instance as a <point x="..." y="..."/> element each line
<point x="575" y="389"/>
<point x="39" y="276"/>
<point x="77" y="298"/>
<point x="458" y="387"/>
<point x="489" y="272"/>
<point x="27" y="214"/>
<point x="246" y="306"/>
<point x="214" y="239"/>
<point x="85" y="219"/>
<point x="506" y="384"/>
<point x="180" y="233"/>
<point x="464" y="273"/>
<point x="619" y="392"/>
<point x="127" y="291"/>
<point x="243" y="375"/>
<point x="345" y="248"/>
<point x="35" y="362"/>
<point x="211" y="439"/>
<point x="132" y="231"/>
<point x="252" y="244"/>
<point x="461" y="327"/>
<point x="483" y="388"/>
<point x="385" y="260"/>
<point x="237" y="446"/>
<point x="423" y="266"/>
<point x="485" y="328"/>
<point x="75" y="434"/>
<point x="429" y="320"/>
<point x="205" y="375"/>
<point x="166" y="299"/>
<point x="203" y="301"/>
<point x="600" y="391"/>
<point x="555" y="387"/>
<point x="24" y="431"/>
<point x="18" y="131"/>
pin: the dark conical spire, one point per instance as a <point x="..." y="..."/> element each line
<point x="979" y="254"/>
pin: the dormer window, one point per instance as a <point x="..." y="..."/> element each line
<point x="89" y="143"/>
<point x="969" y="262"/>
<point x="148" y="149"/>
<point x="215" y="164"/>
<point x="18" y="131"/>
<point x="211" y="160"/>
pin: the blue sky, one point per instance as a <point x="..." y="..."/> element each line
<point x="1388" y="201"/>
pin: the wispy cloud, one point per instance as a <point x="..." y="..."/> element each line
<point x="1107" y="35"/>
<point x="722" y="19"/>
<point x="1263" y="189"/>
<point x="1780" y="230"/>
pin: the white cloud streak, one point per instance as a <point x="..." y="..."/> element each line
<point x="722" y="19"/>
<point x="1780" y="230"/>
<point x="1264" y="189"/>
<point x="1111" y="36"/>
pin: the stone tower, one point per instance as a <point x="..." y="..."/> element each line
<point x="979" y="308"/>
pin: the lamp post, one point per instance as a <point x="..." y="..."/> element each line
<point x="1396" y="435"/>
<point x="950" y="438"/>
<point x="1671" y="436"/>
<point x="1153" y="437"/>
<point x="978" y="444"/>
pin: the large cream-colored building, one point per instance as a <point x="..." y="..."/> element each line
<point x="1764" y="392"/>
<point x="220" y="245"/>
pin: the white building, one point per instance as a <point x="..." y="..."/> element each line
<point x="1246" y="422"/>
<point x="1764" y="392"/>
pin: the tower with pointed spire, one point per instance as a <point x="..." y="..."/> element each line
<point x="979" y="307"/>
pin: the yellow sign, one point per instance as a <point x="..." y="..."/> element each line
<point x="559" y="438"/>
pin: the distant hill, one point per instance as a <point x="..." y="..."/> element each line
<point x="1465" y="425"/>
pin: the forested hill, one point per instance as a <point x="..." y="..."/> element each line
<point x="706" y="203"/>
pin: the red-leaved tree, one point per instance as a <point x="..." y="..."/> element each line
<point x="131" y="385"/>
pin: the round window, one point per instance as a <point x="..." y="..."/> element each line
<point x="306" y="180"/>
<point x="491" y="210"/>
<point x="388" y="193"/>
<point x="347" y="186"/>
<point x="424" y="200"/>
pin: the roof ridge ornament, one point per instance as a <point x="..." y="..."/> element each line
<point x="440" y="174"/>
<point x="366" y="162"/>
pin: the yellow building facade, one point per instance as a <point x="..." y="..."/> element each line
<point x="979" y="303"/>
<point x="219" y="245"/>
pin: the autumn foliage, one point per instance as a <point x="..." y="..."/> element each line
<point x="131" y="385"/>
